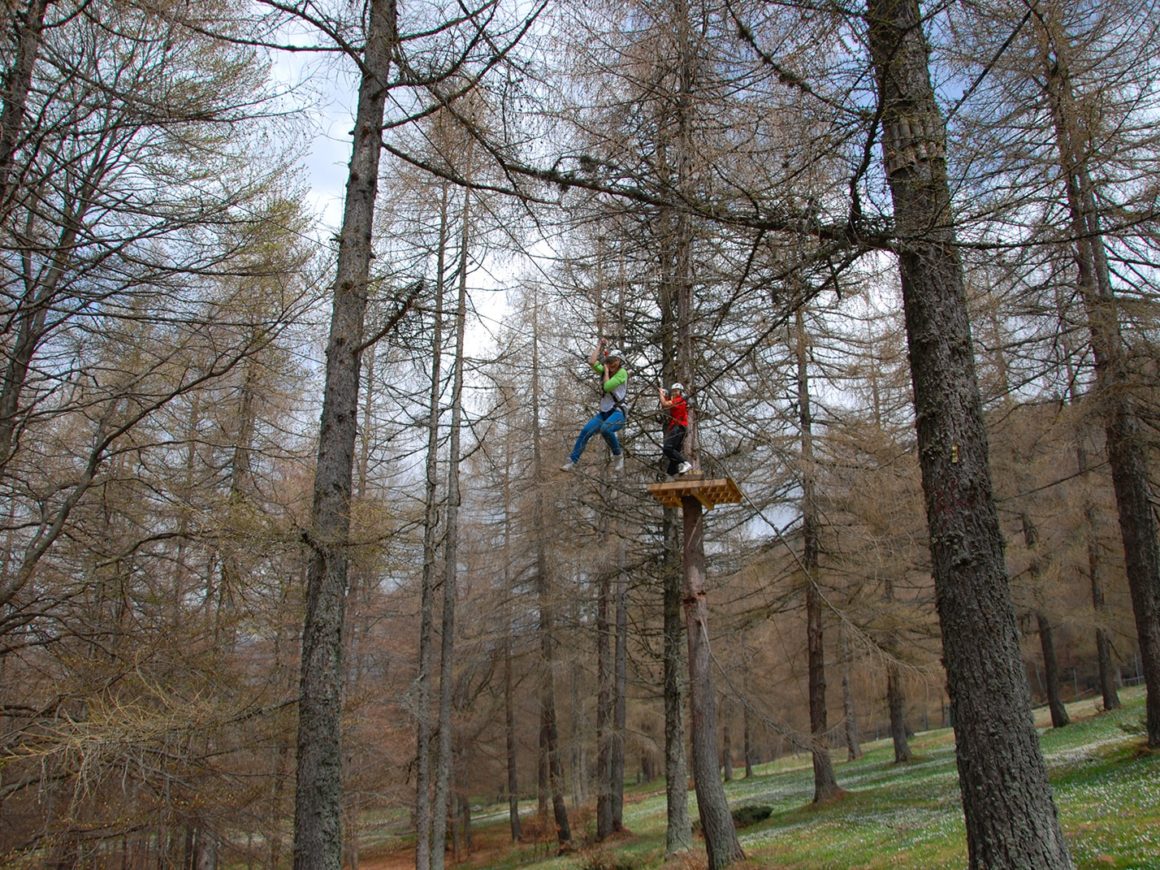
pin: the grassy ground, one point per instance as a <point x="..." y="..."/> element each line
<point x="1106" y="786"/>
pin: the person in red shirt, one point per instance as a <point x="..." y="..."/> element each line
<point x="675" y="428"/>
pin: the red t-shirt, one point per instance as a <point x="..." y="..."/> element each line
<point x="679" y="412"/>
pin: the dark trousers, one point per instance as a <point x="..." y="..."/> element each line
<point x="674" y="439"/>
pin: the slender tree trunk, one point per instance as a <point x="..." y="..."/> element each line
<point x="678" y="829"/>
<point x="549" y="736"/>
<point x="1107" y="675"/>
<point x="451" y="559"/>
<point x="510" y="743"/>
<point x="620" y="689"/>
<point x="318" y="797"/>
<point x="1011" y="819"/>
<point x="1107" y="668"/>
<point x="721" y="841"/>
<point x="825" y="783"/>
<point x="578" y="755"/>
<point x="747" y="738"/>
<point x="896" y="704"/>
<point x="726" y="740"/>
<point x="1124" y="435"/>
<point x="604" y="725"/>
<point x="849" y="712"/>
<point x="509" y="614"/>
<point x="424" y="730"/>
<point x="1059" y="716"/>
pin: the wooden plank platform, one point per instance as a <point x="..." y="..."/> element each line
<point x="709" y="492"/>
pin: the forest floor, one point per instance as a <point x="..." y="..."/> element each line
<point x="1105" y="782"/>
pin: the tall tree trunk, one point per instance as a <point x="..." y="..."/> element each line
<point x="678" y="830"/>
<point x="721" y="841"/>
<point x="849" y="712"/>
<point x="747" y="737"/>
<point x="1105" y="665"/>
<point x="577" y="750"/>
<point x="549" y="735"/>
<point x="1059" y="716"/>
<point x="509" y="615"/>
<point x="424" y="727"/>
<point x="318" y="797"/>
<point x="896" y="704"/>
<point x="825" y="783"/>
<point x="620" y="688"/>
<point x="674" y="266"/>
<point x="1126" y="441"/>
<point x="1107" y="668"/>
<point x="726" y="740"/>
<point x="446" y="756"/>
<point x="1011" y="819"/>
<point x="604" y="710"/>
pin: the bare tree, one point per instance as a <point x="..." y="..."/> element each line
<point x="996" y="742"/>
<point x="318" y="804"/>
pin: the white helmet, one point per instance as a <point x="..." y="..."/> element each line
<point x="615" y="353"/>
<point x="677" y="386"/>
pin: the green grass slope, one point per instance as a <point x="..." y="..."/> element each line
<point x="1106" y="786"/>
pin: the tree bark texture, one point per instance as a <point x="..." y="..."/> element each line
<point x="1059" y="716"/>
<point x="445" y="768"/>
<point x="604" y="676"/>
<point x="620" y="689"/>
<point x="1010" y="817"/>
<point x="318" y="797"/>
<point x="424" y="728"/>
<point x="849" y="711"/>
<point x="726" y="741"/>
<point x="552" y="774"/>
<point x="1124" y="435"/>
<point x="896" y="704"/>
<point x="678" y="831"/>
<point x="721" y="841"/>
<point x="17" y="82"/>
<point x="825" y="783"/>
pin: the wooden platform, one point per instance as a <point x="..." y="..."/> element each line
<point x="708" y="491"/>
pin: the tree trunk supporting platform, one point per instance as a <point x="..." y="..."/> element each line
<point x="708" y="491"/>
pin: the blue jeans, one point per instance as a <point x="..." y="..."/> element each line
<point x="607" y="425"/>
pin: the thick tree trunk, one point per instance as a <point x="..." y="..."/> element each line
<point x="716" y="822"/>
<point x="17" y="82"/>
<point x="1011" y="820"/>
<point x="1125" y="438"/>
<point x="674" y="264"/>
<point x="318" y="797"/>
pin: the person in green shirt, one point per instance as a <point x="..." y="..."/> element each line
<point x="610" y="418"/>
